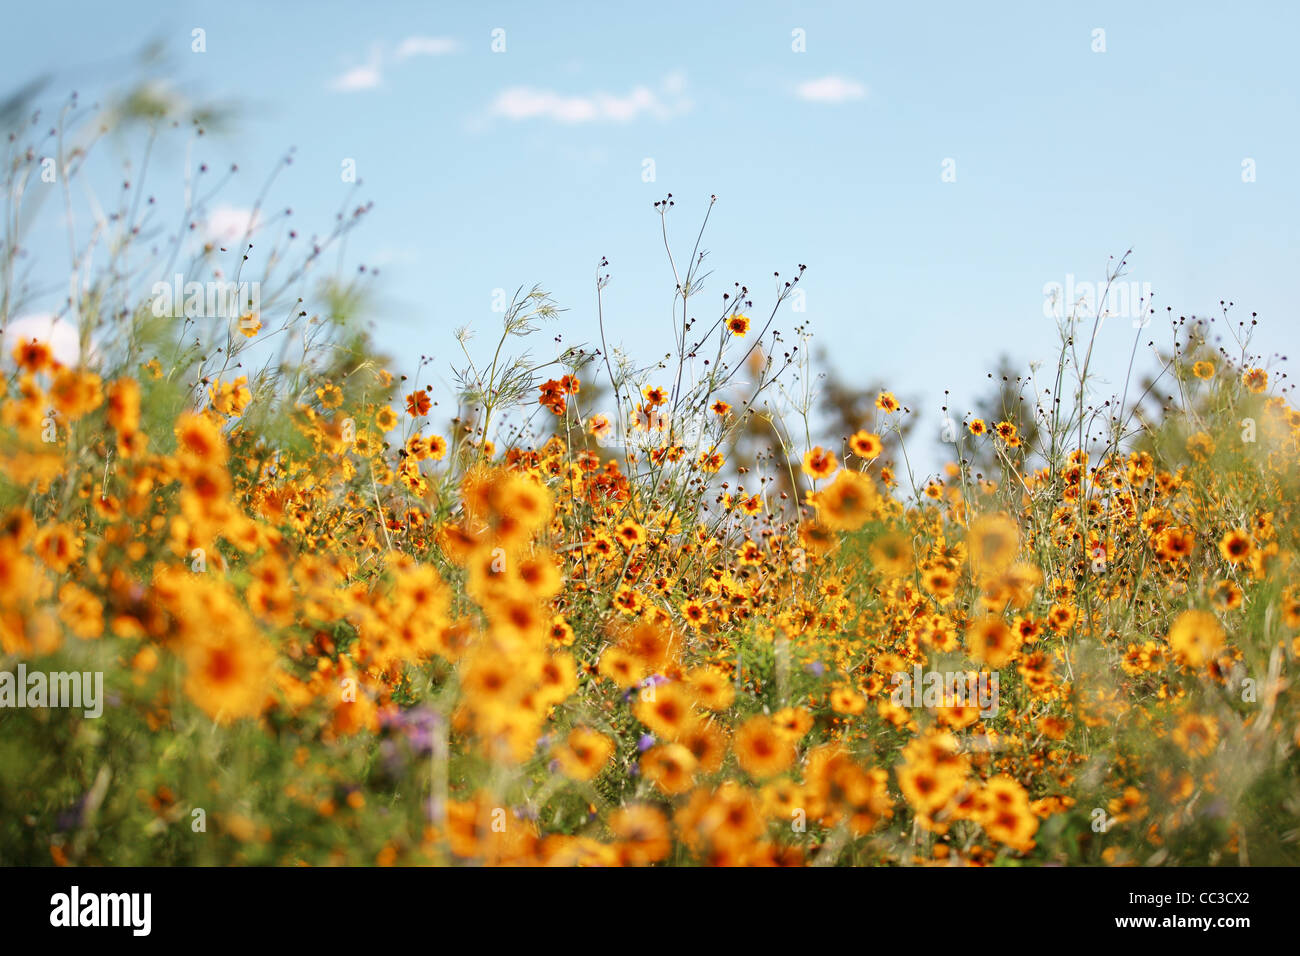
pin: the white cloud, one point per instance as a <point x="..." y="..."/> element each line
<point x="426" y="46"/>
<point x="831" y="89"/>
<point x="227" y="225"/>
<point x="371" y="75"/>
<point x="526" y="102"/>
<point x="358" y="78"/>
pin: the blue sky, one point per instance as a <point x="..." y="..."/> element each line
<point x="497" y="169"/>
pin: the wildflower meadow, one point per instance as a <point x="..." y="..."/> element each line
<point x="270" y="596"/>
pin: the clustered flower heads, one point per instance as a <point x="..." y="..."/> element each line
<point x="558" y="660"/>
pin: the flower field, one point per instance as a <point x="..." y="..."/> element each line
<point x="609" y="614"/>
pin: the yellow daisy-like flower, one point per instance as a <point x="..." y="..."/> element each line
<point x="331" y="396"/>
<point x="1236" y="546"/>
<point x="864" y="444"/>
<point x="1195" y="637"/>
<point x="1255" y="380"/>
<point x="819" y="463"/>
<point x="250" y="323"/>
